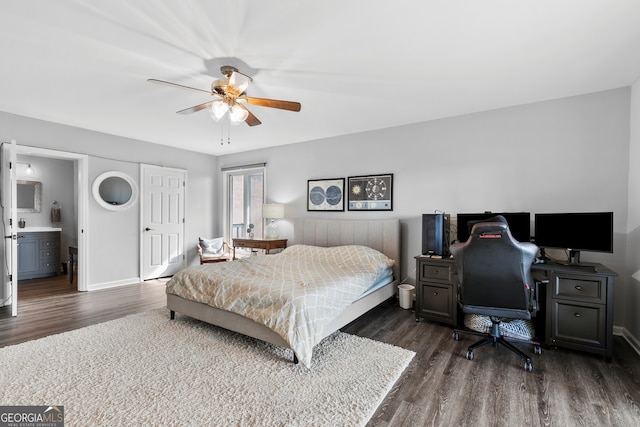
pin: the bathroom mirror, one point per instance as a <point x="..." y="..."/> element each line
<point x="115" y="190"/>
<point x="29" y="195"/>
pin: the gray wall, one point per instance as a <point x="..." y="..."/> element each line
<point x="113" y="238"/>
<point x="115" y="226"/>
<point x="631" y="295"/>
<point x="557" y="156"/>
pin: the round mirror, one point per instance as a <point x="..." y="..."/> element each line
<point x="115" y="190"/>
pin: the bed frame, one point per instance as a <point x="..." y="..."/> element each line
<point x="382" y="235"/>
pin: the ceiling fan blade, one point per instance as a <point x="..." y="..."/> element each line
<point x="251" y="120"/>
<point x="196" y="108"/>
<point x="273" y="103"/>
<point x="162" y="82"/>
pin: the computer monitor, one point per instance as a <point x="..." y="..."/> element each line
<point x="575" y="231"/>
<point x="519" y="224"/>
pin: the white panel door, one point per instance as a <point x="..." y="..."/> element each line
<point x="163" y="198"/>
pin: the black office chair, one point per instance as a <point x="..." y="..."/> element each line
<point x="494" y="280"/>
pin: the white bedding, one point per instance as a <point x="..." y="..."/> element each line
<point x="295" y="293"/>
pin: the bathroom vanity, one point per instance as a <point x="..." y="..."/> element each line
<point x="38" y="252"/>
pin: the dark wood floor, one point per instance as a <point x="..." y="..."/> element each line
<point x="439" y="387"/>
<point x="442" y="388"/>
<point x="50" y="306"/>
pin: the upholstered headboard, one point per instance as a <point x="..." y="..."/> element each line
<point x="382" y="235"/>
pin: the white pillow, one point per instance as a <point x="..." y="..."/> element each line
<point x="212" y="246"/>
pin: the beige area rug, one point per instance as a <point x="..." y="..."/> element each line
<point x="145" y="369"/>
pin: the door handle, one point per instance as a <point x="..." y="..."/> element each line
<point x="148" y="229"/>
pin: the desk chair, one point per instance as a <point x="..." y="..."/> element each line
<point x="494" y="280"/>
<point x="213" y="250"/>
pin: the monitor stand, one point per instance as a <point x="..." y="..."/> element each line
<point x="574" y="261"/>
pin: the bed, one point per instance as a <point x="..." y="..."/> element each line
<point x="381" y="235"/>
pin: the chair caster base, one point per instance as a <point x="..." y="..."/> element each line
<point x="528" y="366"/>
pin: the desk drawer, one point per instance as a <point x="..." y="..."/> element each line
<point x="580" y="288"/>
<point x="434" y="272"/>
<point x="579" y="323"/>
<point x="436" y="302"/>
<point x="255" y="245"/>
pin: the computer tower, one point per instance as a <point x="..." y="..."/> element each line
<point x="435" y="234"/>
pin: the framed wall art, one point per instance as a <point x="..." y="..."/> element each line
<point x="325" y="194"/>
<point x="371" y="193"/>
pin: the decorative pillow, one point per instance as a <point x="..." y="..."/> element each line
<point x="212" y="246"/>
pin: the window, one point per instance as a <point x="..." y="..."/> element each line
<point x="245" y="196"/>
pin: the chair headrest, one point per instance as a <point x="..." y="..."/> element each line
<point x="490" y="225"/>
<point x="496" y="218"/>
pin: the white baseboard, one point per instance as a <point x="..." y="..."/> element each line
<point x="624" y="333"/>
<point x="107" y="285"/>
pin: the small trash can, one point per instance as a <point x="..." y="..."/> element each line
<point x="406" y="295"/>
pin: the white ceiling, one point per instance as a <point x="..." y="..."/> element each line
<point x="354" y="65"/>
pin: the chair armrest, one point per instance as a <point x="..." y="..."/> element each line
<point x="226" y="247"/>
<point x="534" y="294"/>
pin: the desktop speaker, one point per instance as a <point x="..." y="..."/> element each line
<point x="435" y="234"/>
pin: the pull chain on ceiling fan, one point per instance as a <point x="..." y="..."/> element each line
<point x="230" y="98"/>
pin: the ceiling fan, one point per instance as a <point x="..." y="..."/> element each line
<point x="230" y="98"/>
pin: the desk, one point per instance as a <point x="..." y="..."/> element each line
<point x="576" y="307"/>
<point x="266" y="245"/>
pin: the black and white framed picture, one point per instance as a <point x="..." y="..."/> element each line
<point x="325" y="194"/>
<point x="371" y="192"/>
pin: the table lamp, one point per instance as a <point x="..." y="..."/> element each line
<point x="272" y="211"/>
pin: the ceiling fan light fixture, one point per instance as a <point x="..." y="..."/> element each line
<point x="230" y="97"/>
<point x="237" y="115"/>
<point x="239" y="82"/>
<point x="218" y="110"/>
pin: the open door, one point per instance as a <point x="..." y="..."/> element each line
<point x="9" y="219"/>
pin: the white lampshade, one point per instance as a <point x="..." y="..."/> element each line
<point x="273" y="210"/>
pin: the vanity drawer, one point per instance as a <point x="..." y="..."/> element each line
<point x="49" y="243"/>
<point x="49" y="266"/>
<point x="580" y="288"/>
<point x="49" y="253"/>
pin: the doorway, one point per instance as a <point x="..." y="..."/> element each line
<point x="47" y="228"/>
<point x="74" y="209"/>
